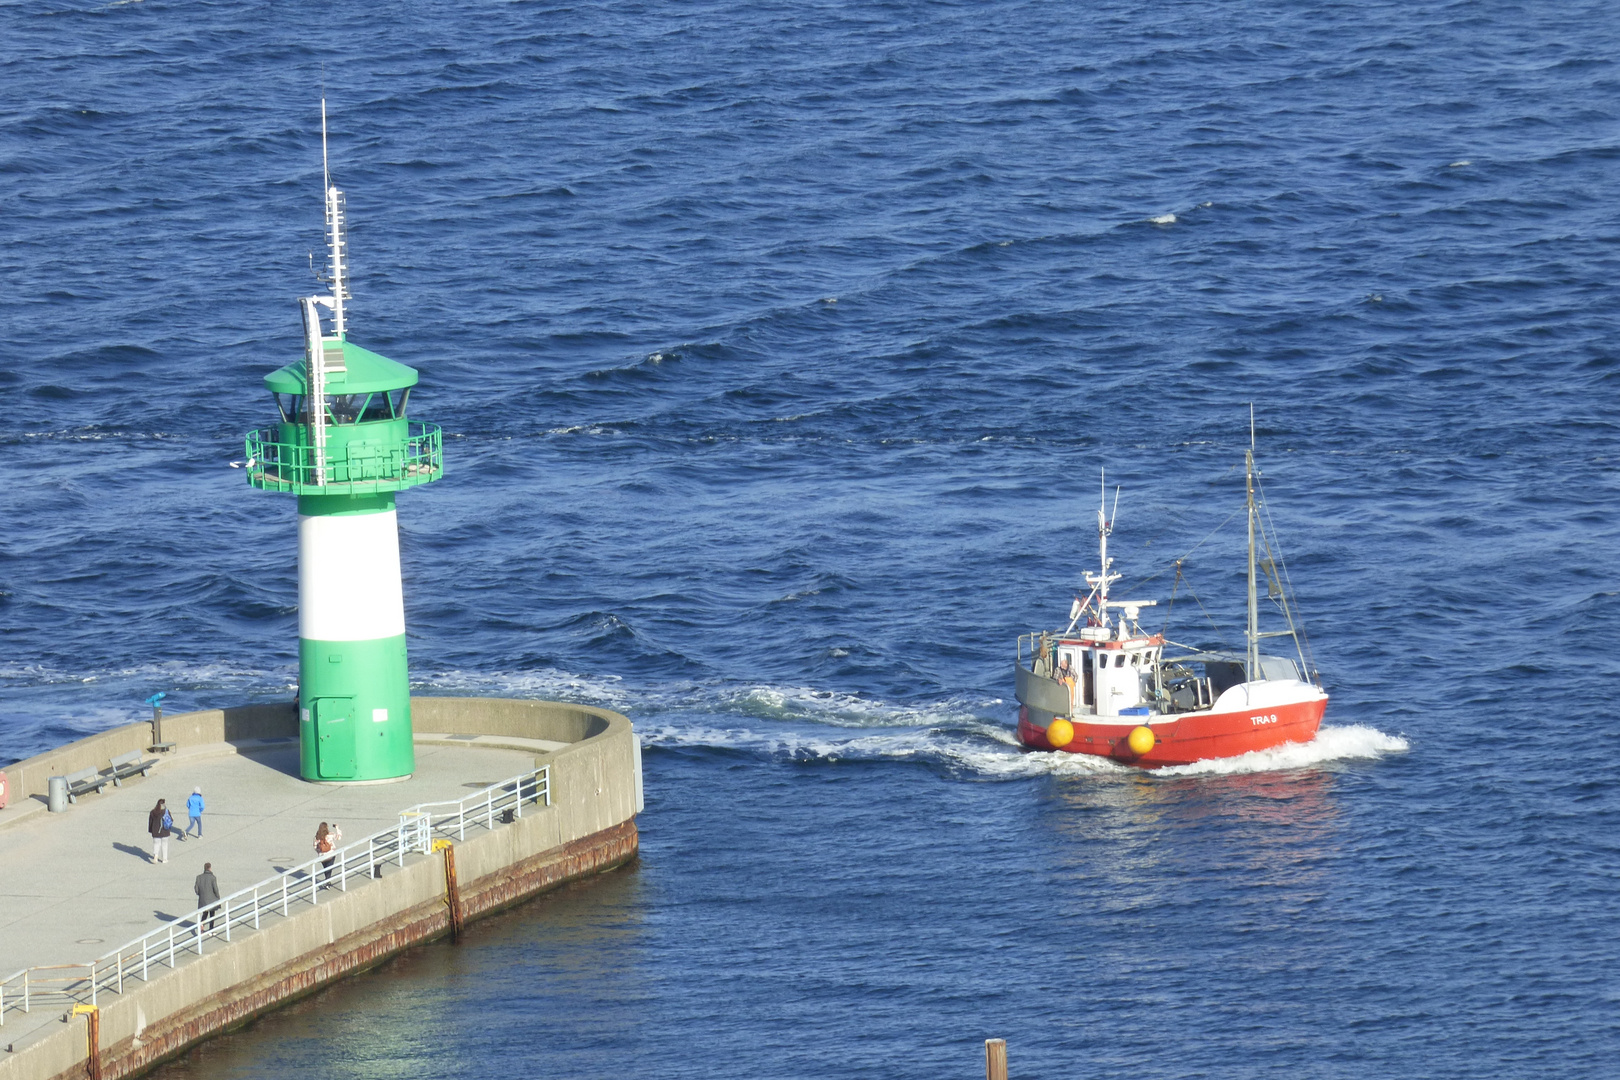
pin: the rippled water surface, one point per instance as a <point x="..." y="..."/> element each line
<point x="777" y="349"/>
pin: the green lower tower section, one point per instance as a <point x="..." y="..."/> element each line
<point x="355" y="710"/>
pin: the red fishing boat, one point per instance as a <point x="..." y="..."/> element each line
<point x="1104" y="686"/>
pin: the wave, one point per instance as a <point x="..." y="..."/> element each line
<point x="168" y="675"/>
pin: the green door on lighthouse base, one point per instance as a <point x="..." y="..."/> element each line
<point x="334" y="737"/>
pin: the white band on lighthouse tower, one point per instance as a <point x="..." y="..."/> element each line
<point x="348" y="577"/>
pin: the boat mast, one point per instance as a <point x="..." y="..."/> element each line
<point x="1253" y="659"/>
<point x="1102" y="550"/>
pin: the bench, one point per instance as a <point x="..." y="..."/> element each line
<point x="85" y="780"/>
<point x="130" y="764"/>
<point x="93" y="779"/>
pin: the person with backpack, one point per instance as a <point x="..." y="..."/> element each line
<point x="326" y="839"/>
<point x="161" y="826"/>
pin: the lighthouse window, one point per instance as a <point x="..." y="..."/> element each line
<point x="343" y="407"/>
<point x="377" y="407"/>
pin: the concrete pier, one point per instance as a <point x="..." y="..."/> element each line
<point x="80" y="884"/>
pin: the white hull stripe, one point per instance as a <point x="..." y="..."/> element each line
<point x="348" y="577"/>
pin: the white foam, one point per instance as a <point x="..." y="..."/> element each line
<point x="584" y="429"/>
<point x="167" y="674"/>
<point x="843" y="710"/>
<point x="1163" y="219"/>
<point x="985" y="749"/>
<point x="760" y="701"/>
<point x="1331" y="744"/>
<point x="551" y="684"/>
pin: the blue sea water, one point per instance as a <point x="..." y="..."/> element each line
<point x="777" y="349"/>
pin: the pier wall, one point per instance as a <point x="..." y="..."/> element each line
<point x="590" y="827"/>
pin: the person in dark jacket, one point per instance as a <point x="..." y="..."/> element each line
<point x="157" y="823"/>
<point x="207" y="890"/>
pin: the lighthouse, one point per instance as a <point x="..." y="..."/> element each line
<point x="345" y="446"/>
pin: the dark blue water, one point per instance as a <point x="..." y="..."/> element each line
<point x="777" y="348"/>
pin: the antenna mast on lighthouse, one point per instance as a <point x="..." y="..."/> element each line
<point x="337" y="274"/>
<point x="325" y="354"/>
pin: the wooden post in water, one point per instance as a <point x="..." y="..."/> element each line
<point x="995" y="1059"/>
<point x="452" y="888"/>
<point x="92" y="1032"/>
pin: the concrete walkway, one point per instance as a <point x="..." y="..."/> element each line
<point x="79" y="884"/>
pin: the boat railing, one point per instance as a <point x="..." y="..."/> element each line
<point x="1033" y="639"/>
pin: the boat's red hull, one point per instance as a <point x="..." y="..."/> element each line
<point x="1189" y="738"/>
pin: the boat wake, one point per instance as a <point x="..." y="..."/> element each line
<point x="965" y="736"/>
<point x="987" y="750"/>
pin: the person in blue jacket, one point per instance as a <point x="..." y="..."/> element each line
<point x="194" y="809"/>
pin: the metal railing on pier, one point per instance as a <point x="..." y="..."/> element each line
<point x="244" y="910"/>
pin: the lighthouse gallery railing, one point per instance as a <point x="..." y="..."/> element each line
<point x="59" y="984"/>
<point x="358" y="466"/>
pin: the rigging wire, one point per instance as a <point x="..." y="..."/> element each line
<point x="1219" y="633"/>
<point x="1178" y="562"/>
<point x="1279" y="562"/>
<point x="1175" y="586"/>
<point x="1212" y="623"/>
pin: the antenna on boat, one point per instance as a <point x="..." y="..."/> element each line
<point x="1253" y="634"/>
<point x="1104" y="527"/>
<point x="1099" y="581"/>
